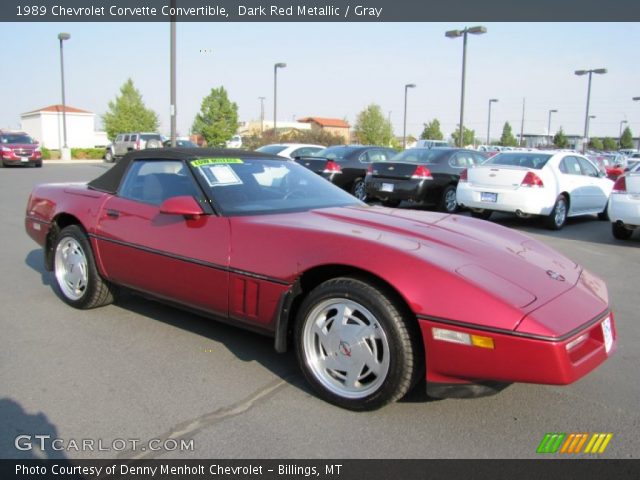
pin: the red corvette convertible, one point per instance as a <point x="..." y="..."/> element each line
<point x="372" y="299"/>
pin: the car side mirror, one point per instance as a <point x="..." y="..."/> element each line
<point x="184" y="205"/>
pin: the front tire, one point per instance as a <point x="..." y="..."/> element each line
<point x="77" y="277"/>
<point x="359" y="190"/>
<point x="108" y="156"/>
<point x="354" y="346"/>
<point x="558" y="216"/>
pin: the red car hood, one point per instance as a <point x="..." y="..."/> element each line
<point x="523" y="272"/>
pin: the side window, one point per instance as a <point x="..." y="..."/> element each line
<point x="376" y="156"/>
<point x="119" y="138"/>
<point x="570" y="166"/>
<point x="364" y="157"/>
<point x="302" y="152"/>
<point x="126" y="138"/>
<point x="153" y="181"/>
<point x="587" y="167"/>
<point x="133" y="138"/>
<point x="478" y="159"/>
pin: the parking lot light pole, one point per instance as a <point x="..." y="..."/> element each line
<point x="172" y="82"/>
<point x="549" y="126"/>
<point x="262" y="99"/>
<point x="66" y="153"/>
<point x="491" y="100"/>
<point x="404" y="129"/>
<point x="599" y="71"/>
<point x="622" y="122"/>
<point x="635" y="99"/>
<point x="477" y="30"/>
<point x="275" y="95"/>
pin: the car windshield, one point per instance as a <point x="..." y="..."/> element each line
<point x="17" y="138"/>
<point x="519" y="159"/>
<point x="271" y="149"/>
<point x="334" y="153"/>
<point x="263" y="186"/>
<point x="422" y="155"/>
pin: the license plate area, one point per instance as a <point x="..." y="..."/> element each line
<point x="488" y="197"/>
<point x="387" y="187"/>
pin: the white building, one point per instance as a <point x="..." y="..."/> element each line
<point x="45" y="125"/>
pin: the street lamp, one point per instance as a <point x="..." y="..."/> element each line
<point x="275" y="95"/>
<point x="622" y="122"/>
<point x="404" y="130"/>
<point x="599" y="71"/>
<point x="491" y="100"/>
<point x="549" y="125"/>
<point x="635" y="99"/>
<point x="463" y="33"/>
<point x="262" y="99"/>
<point x="66" y="153"/>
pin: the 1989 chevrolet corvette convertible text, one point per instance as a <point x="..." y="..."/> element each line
<point x="372" y="299"/>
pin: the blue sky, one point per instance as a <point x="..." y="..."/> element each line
<point x="336" y="70"/>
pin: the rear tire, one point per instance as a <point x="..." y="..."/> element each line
<point x="354" y="346"/>
<point x="558" y="216"/>
<point x="108" y="156"/>
<point x="620" y="232"/>
<point x="77" y="277"/>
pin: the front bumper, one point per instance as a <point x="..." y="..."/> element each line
<point x="29" y="162"/>
<point x="516" y="356"/>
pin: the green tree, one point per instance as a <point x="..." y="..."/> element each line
<point x="217" y="120"/>
<point x="596" y="144"/>
<point x="626" y="140"/>
<point x="467" y="135"/>
<point x="127" y="113"/>
<point x="609" y="144"/>
<point x="560" y="139"/>
<point x="432" y="131"/>
<point x="372" y="128"/>
<point x="507" y="139"/>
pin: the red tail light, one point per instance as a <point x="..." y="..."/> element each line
<point x="370" y="170"/>
<point x="138" y="144"/>
<point x="464" y="176"/>
<point x="422" y="173"/>
<point x="532" y="180"/>
<point x="620" y="186"/>
<point x="332" y="167"/>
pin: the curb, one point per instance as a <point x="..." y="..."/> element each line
<point x="71" y="162"/>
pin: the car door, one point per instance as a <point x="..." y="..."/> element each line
<point x="169" y="256"/>
<point x="572" y="181"/>
<point x="118" y="145"/>
<point x="596" y="192"/>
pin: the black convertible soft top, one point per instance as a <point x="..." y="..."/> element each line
<point x="110" y="180"/>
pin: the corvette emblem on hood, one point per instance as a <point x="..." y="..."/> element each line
<point x="555" y="275"/>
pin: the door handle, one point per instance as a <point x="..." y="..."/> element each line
<point x="113" y="213"/>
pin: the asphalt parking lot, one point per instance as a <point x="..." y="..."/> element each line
<point x="138" y="370"/>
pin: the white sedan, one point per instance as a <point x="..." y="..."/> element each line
<point x="624" y="205"/>
<point x="555" y="185"/>
<point x="291" y="150"/>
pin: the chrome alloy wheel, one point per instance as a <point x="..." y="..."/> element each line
<point x="359" y="190"/>
<point x="560" y="212"/>
<point x="70" y="266"/>
<point x="450" y="203"/>
<point x="346" y="348"/>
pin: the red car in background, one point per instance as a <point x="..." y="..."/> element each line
<point x="612" y="164"/>
<point x="372" y="299"/>
<point x="18" y="148"/>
